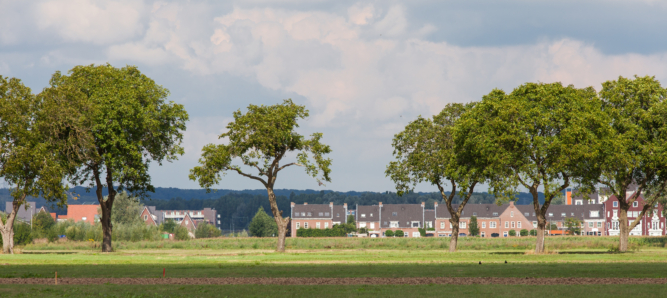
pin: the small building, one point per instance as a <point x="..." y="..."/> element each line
<point x="316" y="216"/>
<point x="77" y="213"/>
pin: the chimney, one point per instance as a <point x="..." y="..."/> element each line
<point x="511" y="204"/>
<point x="435" y="205"/>
<point x="345" y="205"/>
<point x="423" y="204"/>
<point x="305" y="203"/>
<point x="292" y="204"/>
<point x="380" y="204"/>
<point x="330" y="204"/>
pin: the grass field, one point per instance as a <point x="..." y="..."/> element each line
<point x="418" y="259"/>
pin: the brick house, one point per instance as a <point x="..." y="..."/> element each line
<point x="316" y="216"/>
<point x="651" y="224"/>
<point x="488" y="219"/>
<point x="79" y="213"/>
<point x="590" y="216"/>
<point x="189" y="223"/>
<point x="368" y="217"/>
<point x="152" y="216"/>
<point x="405" y="217"/>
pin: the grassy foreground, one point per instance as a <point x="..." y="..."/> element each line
<point x="554" y="243"/>
<point x="335" y="291"/>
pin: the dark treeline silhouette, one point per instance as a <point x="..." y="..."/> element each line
<point x="236" y="208"/>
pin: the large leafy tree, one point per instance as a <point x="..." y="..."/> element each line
<point x="260" y="139"/>
<point x="425" y="152"/>
<point x="636" y="150"/>
<point x="539" y="136"/>
<point x="36" y="132"/>
<point x="131" y="125"/>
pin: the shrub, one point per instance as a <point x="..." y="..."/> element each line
<point x="262" y="225"/>
<point x="474" y="228"/>
<point x="181" y="233"/>
<point x="22" y="235"/>
<point x="422" y="232"/>
<point x="389" y="233"/>
<point x="523" y="232"/>
<point x="399" y="233"/>
<point x="168" y="226"/>
<point x="512" y="233"/>
<point x="339" y="232"/>
<point x="205" y="230"/>
<point x="41" y="223"/>
<point x="533" y="232"/>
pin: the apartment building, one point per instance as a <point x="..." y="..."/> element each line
<point x="151" y="216"/>
<point x="316" y="216"/>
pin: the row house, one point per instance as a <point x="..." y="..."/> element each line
<point x="151" y="216"/>
<point x="492" y="220"/>
<point x="316" y="216"/>
<point x="405" y="217"/>
<point x="590" y="215"/>
<point x="652" y="223"/>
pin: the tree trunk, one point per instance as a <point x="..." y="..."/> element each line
<point x="107" y="228"/>
<point x="105" y="206"/>
<point x="280" y="221"/>
<point x="539" y="244"/>
<point x="624" y="229"/>
<point x="7" y="229"/>
<point x="455" y="234"/>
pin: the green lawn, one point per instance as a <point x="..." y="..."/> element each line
<point x="402" y="291"/>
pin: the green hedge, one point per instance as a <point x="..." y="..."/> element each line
<point x="320" y="232"/>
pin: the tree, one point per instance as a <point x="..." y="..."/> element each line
<point x="126" y="210"/>
<point x="573" y="225"/>
<point x="204" y="230"/>
<point x="636" y="149"/>
<point x="262" y="225"/>
<point x="131" y="126"/>
<point x="260" y="139"/>
<point x="474" y="229"/>
<point x="168" y="226"/>
<point x="34" y="138"/>
<point x="540" y="135"/>
<point x="425" y="152"/>
<point x="41" y="223"/>
<point x="350" y="219"/>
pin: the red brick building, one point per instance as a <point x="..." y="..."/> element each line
<point x="316" y="216"/>
<point x="651" y="224"/>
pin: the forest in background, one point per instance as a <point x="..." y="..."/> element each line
<point x="237" y="207"/>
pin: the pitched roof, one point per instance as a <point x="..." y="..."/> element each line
<point x="339" y="214"/>
<point x="368" y="213"/>
<point x="429" y="215"/>
<point x="79" y="212"/>
<point x="312" y="211"/>
<point x="22" y="214"/>
<point x="478" y="210"/>
<point x="581" y="212"/>
<point x="404" y="214"/>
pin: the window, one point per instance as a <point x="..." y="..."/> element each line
<point x="362" y="224"/>
<point x="303" y="213"/>
<point x="635" y="204"/>
<point x="84" y="218"/>
<point x="551" y="214"/>
<point x="320" y="214"/>
<point x="615" y="204"/>
<point x="145" y="217"/>
<point x="614" y="225"/>
<point x="317" y="224"/>
<point x="310" y="214"/>
<point x="595" y="213"/>
<point x="337" y="214"/>
<point x="526" y="214"/>
<point x="599" y="224"/>
<point x="326" y="225"/>
<point x="512" y="224"/>
<point x="615" y="213"/>
<point x="492" y="224"/>
<point x="563" y="214"/>
<point x="326" y="213"/>
<point x="505" y="234"/>
<point x="572" y="214"/>
<point x="507" y="224"/>
<point x="394" y="214"/>
<point x="442" y="224"/>
<point x="590" y="224"/>
<point x="474" y="214"/>
<point x="483" y="234"/>
<point x="462" y="225"/>
<point x="415" y="224"/>
<point x="305" y="225"/>
<point x="393" y="224"/>
<point x="372" y="225"/>
<point x="579" y="202"/>
<point x="450" y="225"/>
<point x="495" y="213"/>
<point x="298" y="225"/>
<point x="518" y="224"/>
<point x="483" y="225"/>
<point x="371" y="214"/>
<point x="511" y="213"/>
<point x="534" y="224"/>
<point x="429" y="224"/>
<point x="363" y="215"/>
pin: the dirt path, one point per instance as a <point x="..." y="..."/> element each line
<point x="337" y="281"/>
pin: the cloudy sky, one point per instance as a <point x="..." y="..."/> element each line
<point x="362" y="68"/>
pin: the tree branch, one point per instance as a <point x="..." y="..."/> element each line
<point x="251" y="177"/>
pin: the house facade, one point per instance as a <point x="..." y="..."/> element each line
<point x="316" y="216"/>
<point x="405" y="217"/>
<point x="652" y="223"/>
<point x="151" y="216"/>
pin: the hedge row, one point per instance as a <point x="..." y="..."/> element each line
<point x="320" y="233"/>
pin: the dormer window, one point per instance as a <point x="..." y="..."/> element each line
<point x="551" y="214"/>
<point x="495" y="213"/>
<point x="326" y="213"/>
<point x="635" y="204"/>
<point x="363" y="215"/>
<point x="474" y="214"/>
<point x="320" y="214"/>
<point x="394" y="214"/>
<point x="563" y="215"/>
<point x="526" y="214"/>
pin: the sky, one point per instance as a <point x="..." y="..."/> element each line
<point x="363" y="69"/>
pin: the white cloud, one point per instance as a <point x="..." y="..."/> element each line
<point x="97" y="22"/>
